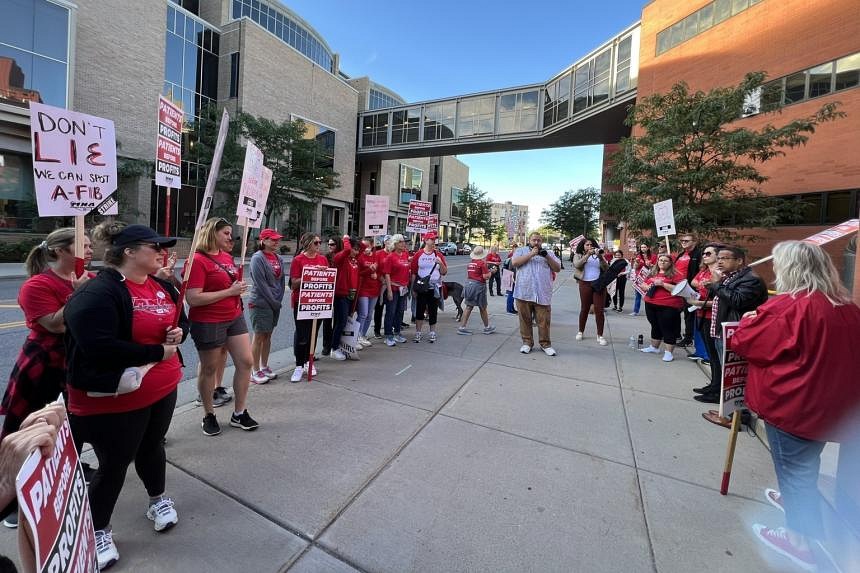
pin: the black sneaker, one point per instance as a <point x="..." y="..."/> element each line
<point x="210" y="425"/>
<point x="685" y="342"/>
<point x="326" y="351"/>
<point x="89" y="472"/>
<point x="11" y="520"/>
<point x="220" y="396"/>
<point x="244" y="421"/>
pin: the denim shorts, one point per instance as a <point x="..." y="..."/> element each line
<point x="212" y="335"/>
<point x="264" y="319"/>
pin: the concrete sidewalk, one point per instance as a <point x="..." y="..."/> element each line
<point x="463" y="455"/>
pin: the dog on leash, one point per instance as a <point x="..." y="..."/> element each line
<point x="455" y="291"/>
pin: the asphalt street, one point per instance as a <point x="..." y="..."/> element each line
<point x="13" y="331"/>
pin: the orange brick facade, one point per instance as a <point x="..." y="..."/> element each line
<point x="779" y="37"/>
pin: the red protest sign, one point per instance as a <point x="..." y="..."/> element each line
<point x="168" y="159"/>
<point x="833" y="233"/>
<point x="735" y="369"/>
<point x="316" y="293"/>
<point x="419" y="219"/>
<point x="52" y="494"/>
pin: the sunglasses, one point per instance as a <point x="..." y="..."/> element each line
<point x="154" y="246"/>
<point x="709" y="253"/>
<point x="318" y="242"/>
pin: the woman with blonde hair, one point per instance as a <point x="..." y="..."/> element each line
<point x="396" y="288"/>
<point x="662" y="308"/>
<point x="309" y="256"/>
<point x="214" y="293"/>
<point x="801" y="346"/>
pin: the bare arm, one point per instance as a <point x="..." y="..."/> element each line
<point x="196" y="296"/>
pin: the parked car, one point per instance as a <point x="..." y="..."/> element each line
<point x="447" y="249"/>
<point x="467" y="249"/>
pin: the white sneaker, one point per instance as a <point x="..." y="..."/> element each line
<point x="338" y="354"/>
<point x="549" y="351"/>
<point x="650" y="350"/>
<point x="297" y="374"/>
<point x="365" y="342"/>
<point x="417" y="337"/>
<point x="106" y="551"/>
<point x="667" y="356"/>
<point x="601" y="341"/>
<point x="314" y="373"/>
<point x="579" y="336"/>
<point x="525" y="348"/>
<point x="163" y="514"/>
<point x="359" y="345"/>
<point x="432" y="336"/>
<point x="257" y="377"/>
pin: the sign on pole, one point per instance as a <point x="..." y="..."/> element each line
<point x="316" y="293"/>
<point x="168" y="157"/>
<point x="265" y="186"/>
<point x="52" y="495"/>
<point x="734" y="375"/>
<point x="375" y="215"/>
<point x="74" y="161"/>
<point x="418" y="219"/>
<point x="575" y="242"/>
<point x="664" y="217"/>
<point x="826" y="236"/>
<point x="206" y="205"/>
<point x="251" y="189"/>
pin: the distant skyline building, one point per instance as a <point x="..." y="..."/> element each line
<point x="515" y="219"/>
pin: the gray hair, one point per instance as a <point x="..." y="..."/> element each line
<point x="804" y="267"/>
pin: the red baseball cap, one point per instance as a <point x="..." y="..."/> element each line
<point x="430" y="235"/>
<point x="270" y="234"/>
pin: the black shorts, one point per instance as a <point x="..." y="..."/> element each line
<point x="212" y="335"/>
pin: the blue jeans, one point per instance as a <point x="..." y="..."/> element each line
<point x="394" y="309"/>
<point x="796" y="462"/>
<point x="510" y="301"/>
<point x="637" y="301"/>
<point x="342" y="306"/>
<point x="366" y="304"/>
<point x="701" y="349"/>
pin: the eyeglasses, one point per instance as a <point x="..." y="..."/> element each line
<point x="709" y="254"/>
<point x="686" y="240"/>
<point x="726" y="258"/>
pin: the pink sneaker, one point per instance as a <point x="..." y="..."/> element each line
<point x="775" y="498"/>
<point x="269" y="374"/>
<point x="777" y="539"/>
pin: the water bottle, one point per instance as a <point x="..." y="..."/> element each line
<point x="640" y="341"/>
<point x="632" y="343"/>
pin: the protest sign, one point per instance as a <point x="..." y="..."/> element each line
<point x="575" y="242"/>
<point x="507" y="280"/>
<point x="74" y="161"/>
<point x="637" y="279"/>
<point x="664" y="218"/>
<point x="734" y="375"/>
<point x="265" y="186"/>
<point x="418" y="219"/>
<point x="375" y="215"/>
<point x="52" y="495"/>
<point x="434" y="222"/>
<point x="316" y="293"/>
<point x="826" y="236"/>
<point x="168" y="157"/>
<point x="250" y="189"/>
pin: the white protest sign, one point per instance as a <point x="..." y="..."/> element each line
<point x="664" y="217"/>
<point x="206" y="204"/>
<point x="251" y="188"/>
<point x="168" y="157"/>
<point x="74" y="161"/>
<point x="265" y="187"/>
<point x="316" y="293"/>
<point x="375" y="215"/>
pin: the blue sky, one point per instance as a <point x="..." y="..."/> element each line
<point x="428" y="50"/>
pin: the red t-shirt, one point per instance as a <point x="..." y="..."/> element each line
<point x="700" y="277"/>
<point x="397" y="266"/>
<point x="209" y="276"/>
<point x="41" y="295"/>
<point x="347" y="272"/>
<point x="275" y="262"/>
<point x="662" y="297"/>
<point x="301" y="261"/>
<point x="494" y="259"/>
<point x="152" y="314"/>
<point x="682" y="264"/>
<point x="476" y="270"/>
<point x="645" y="261"/>
<point x="370" y="286"/>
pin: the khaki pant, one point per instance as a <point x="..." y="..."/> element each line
<point x="542" y="313"/>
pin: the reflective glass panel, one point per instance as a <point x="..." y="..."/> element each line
<point x="795" y="87"/>
<point x="49" y="80"/>
<point x="189" y="69"/>
<point x="174" y="52"/>
<point x="17" y="66"/>
<point x="838" y="207"/>
<point x="848" y="72"/>
<point x="16" y="23"/>
<point x="706" y="17"/>
<point x="722" y="10"/>
<point x="820" y="79"/>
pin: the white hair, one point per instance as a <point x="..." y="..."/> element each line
<point x="805" y="267"/>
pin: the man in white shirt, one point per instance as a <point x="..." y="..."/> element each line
<point x="533" y="292"/>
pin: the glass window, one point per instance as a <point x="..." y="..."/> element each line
<point x="820" y="80"/>
<point x="811" y="212"/>
<point x="663" y="42"/>
<point x="411" y="180"/>
<point x="16" y="25"/>
<point x="237" y="10"/>
<point x="771" y="96"/>
<point x="51" y="34"/>
<point x="189" y="68"/>
<point x="691" y="25"/>
<point x="476" y="116"/>
<point x="739" y="6"/>
<point x="676" y="33"/>
<point x="456" y="210"/>
<point x="404" y="125"/>
<point x="20" y="76"/>
<point x="795" y="88"/>
<point x="722" y="10"/>
<point x="49" y="81"/>
<point x="706" y="17"/>
<point x="234" y="74"/>
<point x="374" y="130"/>
<point x="848" y="72"/>
<point x="838" y="207"/>
<point x="175" y="51"/>
<point x="17" y="199"/>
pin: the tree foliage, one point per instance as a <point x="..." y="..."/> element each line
<point x="476" y="211"/>
<point x="574" y="213"/>
<point x="302" y="172"/>
<point x="691" y="151"/>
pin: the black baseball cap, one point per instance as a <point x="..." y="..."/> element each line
<point x="135" y="234"/>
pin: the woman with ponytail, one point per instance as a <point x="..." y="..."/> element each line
<point x="38" y="376"/>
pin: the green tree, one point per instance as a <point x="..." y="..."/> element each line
<point x="691" y="151"/>
<point x="302" y="168"/>
<point x="574" y="213"/>
<point x="476" y="211"/>
<point x="500" y="234"/>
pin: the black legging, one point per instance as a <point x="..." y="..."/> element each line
<point x="665" y="322"/>
<point x="496" y="278"/>
<point x="426" y="301"/>
<point x="377" y="314"/>
<point x="302" y="337"/>
<point x="618" y="297"/>
<point x="715" y="358"/>
<point x="119" y="439"/>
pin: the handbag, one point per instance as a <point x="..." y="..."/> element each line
<point x="422" y="284"/>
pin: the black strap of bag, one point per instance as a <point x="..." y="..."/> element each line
<point x="422" y="284"/>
